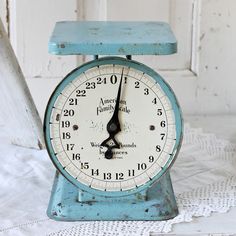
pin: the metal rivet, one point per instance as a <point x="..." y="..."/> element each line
<point x="152" y="127"/>
<point x="75" y="127"/>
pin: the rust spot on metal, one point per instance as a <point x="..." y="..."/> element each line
<point x="121" y="50"/>
<point x="125" y="217"/>
<point x="54" y="213"/>
<point x="90" y="203"/>
<point x="62" y="45"/>
<point x="140" y="196"/>
<point x="95" y="28"/>
<point x="127" y="28"/>
<point x="156" y="205"/>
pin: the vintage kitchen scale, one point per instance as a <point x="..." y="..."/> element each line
<point x="113" y="126"/>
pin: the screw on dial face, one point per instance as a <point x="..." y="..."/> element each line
<point x="87" y="107"/>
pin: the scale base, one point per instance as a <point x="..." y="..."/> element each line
<point x="68" y="203"/>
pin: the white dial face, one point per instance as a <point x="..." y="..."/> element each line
<point x="78" y="127"/>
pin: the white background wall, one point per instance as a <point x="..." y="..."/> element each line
<point x="202" y="73"/>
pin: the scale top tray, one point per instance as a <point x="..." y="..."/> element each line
<point x="112" y="38"/>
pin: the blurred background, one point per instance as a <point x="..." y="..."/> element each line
<point x="202" y="74"/>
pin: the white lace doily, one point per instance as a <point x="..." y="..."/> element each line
<point x="203" y="178"/>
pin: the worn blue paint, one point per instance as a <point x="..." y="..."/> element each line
<point x="66" y="205"/>
<point x="112" y="38"/>
<point x="96" y="200"/>
<point x="71" y="200"/>
<point x="118" y="61"/>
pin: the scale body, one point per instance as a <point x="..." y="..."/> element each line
<point x="72" y="198"/>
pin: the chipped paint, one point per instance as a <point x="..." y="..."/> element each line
<point x="128" y="38"/>
<point x="67" y="203"/>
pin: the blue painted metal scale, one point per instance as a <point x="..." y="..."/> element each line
<point x="72" y="200"/>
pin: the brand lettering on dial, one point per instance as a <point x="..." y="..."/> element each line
<point x="109" y="105"/>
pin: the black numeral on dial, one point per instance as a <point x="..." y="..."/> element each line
<point x="95" y="172"/>
<point x="146" y="91"/>
<point x="65" y="124"/>
<point x="162" y="136"/>
<point x="106" y="176"/>
<point x="113" y="79"/>
<point x="75" y="156"/>
<point x="66" y="135"/>
<point x="159" y="112"/>
<point x="80" y="93"/>
<point x="84" y="165"/>
<point x="70" y="147"/>
<point x="163" y="124"/>
<point x="90" y="85"/>
<point x="119" y="176"/>
<point x="101" y="81"/>
<point x="73" y="101"/>
<point x="69" y="112"/>
<point x="151" y="159"/>
<point x="142" y="166"/>
<point x="158" y="148"/>
<point x="131" y="172"/>
<point x="137" y="84"/>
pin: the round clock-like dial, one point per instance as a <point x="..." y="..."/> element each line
<point x="111" y="125"/>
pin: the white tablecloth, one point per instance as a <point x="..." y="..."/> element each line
<point x="204" y="180"/>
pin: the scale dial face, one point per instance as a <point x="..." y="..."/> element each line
<point x="76" y="125"/>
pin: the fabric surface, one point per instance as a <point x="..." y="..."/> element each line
<point x="203" y="178"/>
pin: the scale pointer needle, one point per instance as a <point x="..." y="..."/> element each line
<point x="113" y="126"/>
